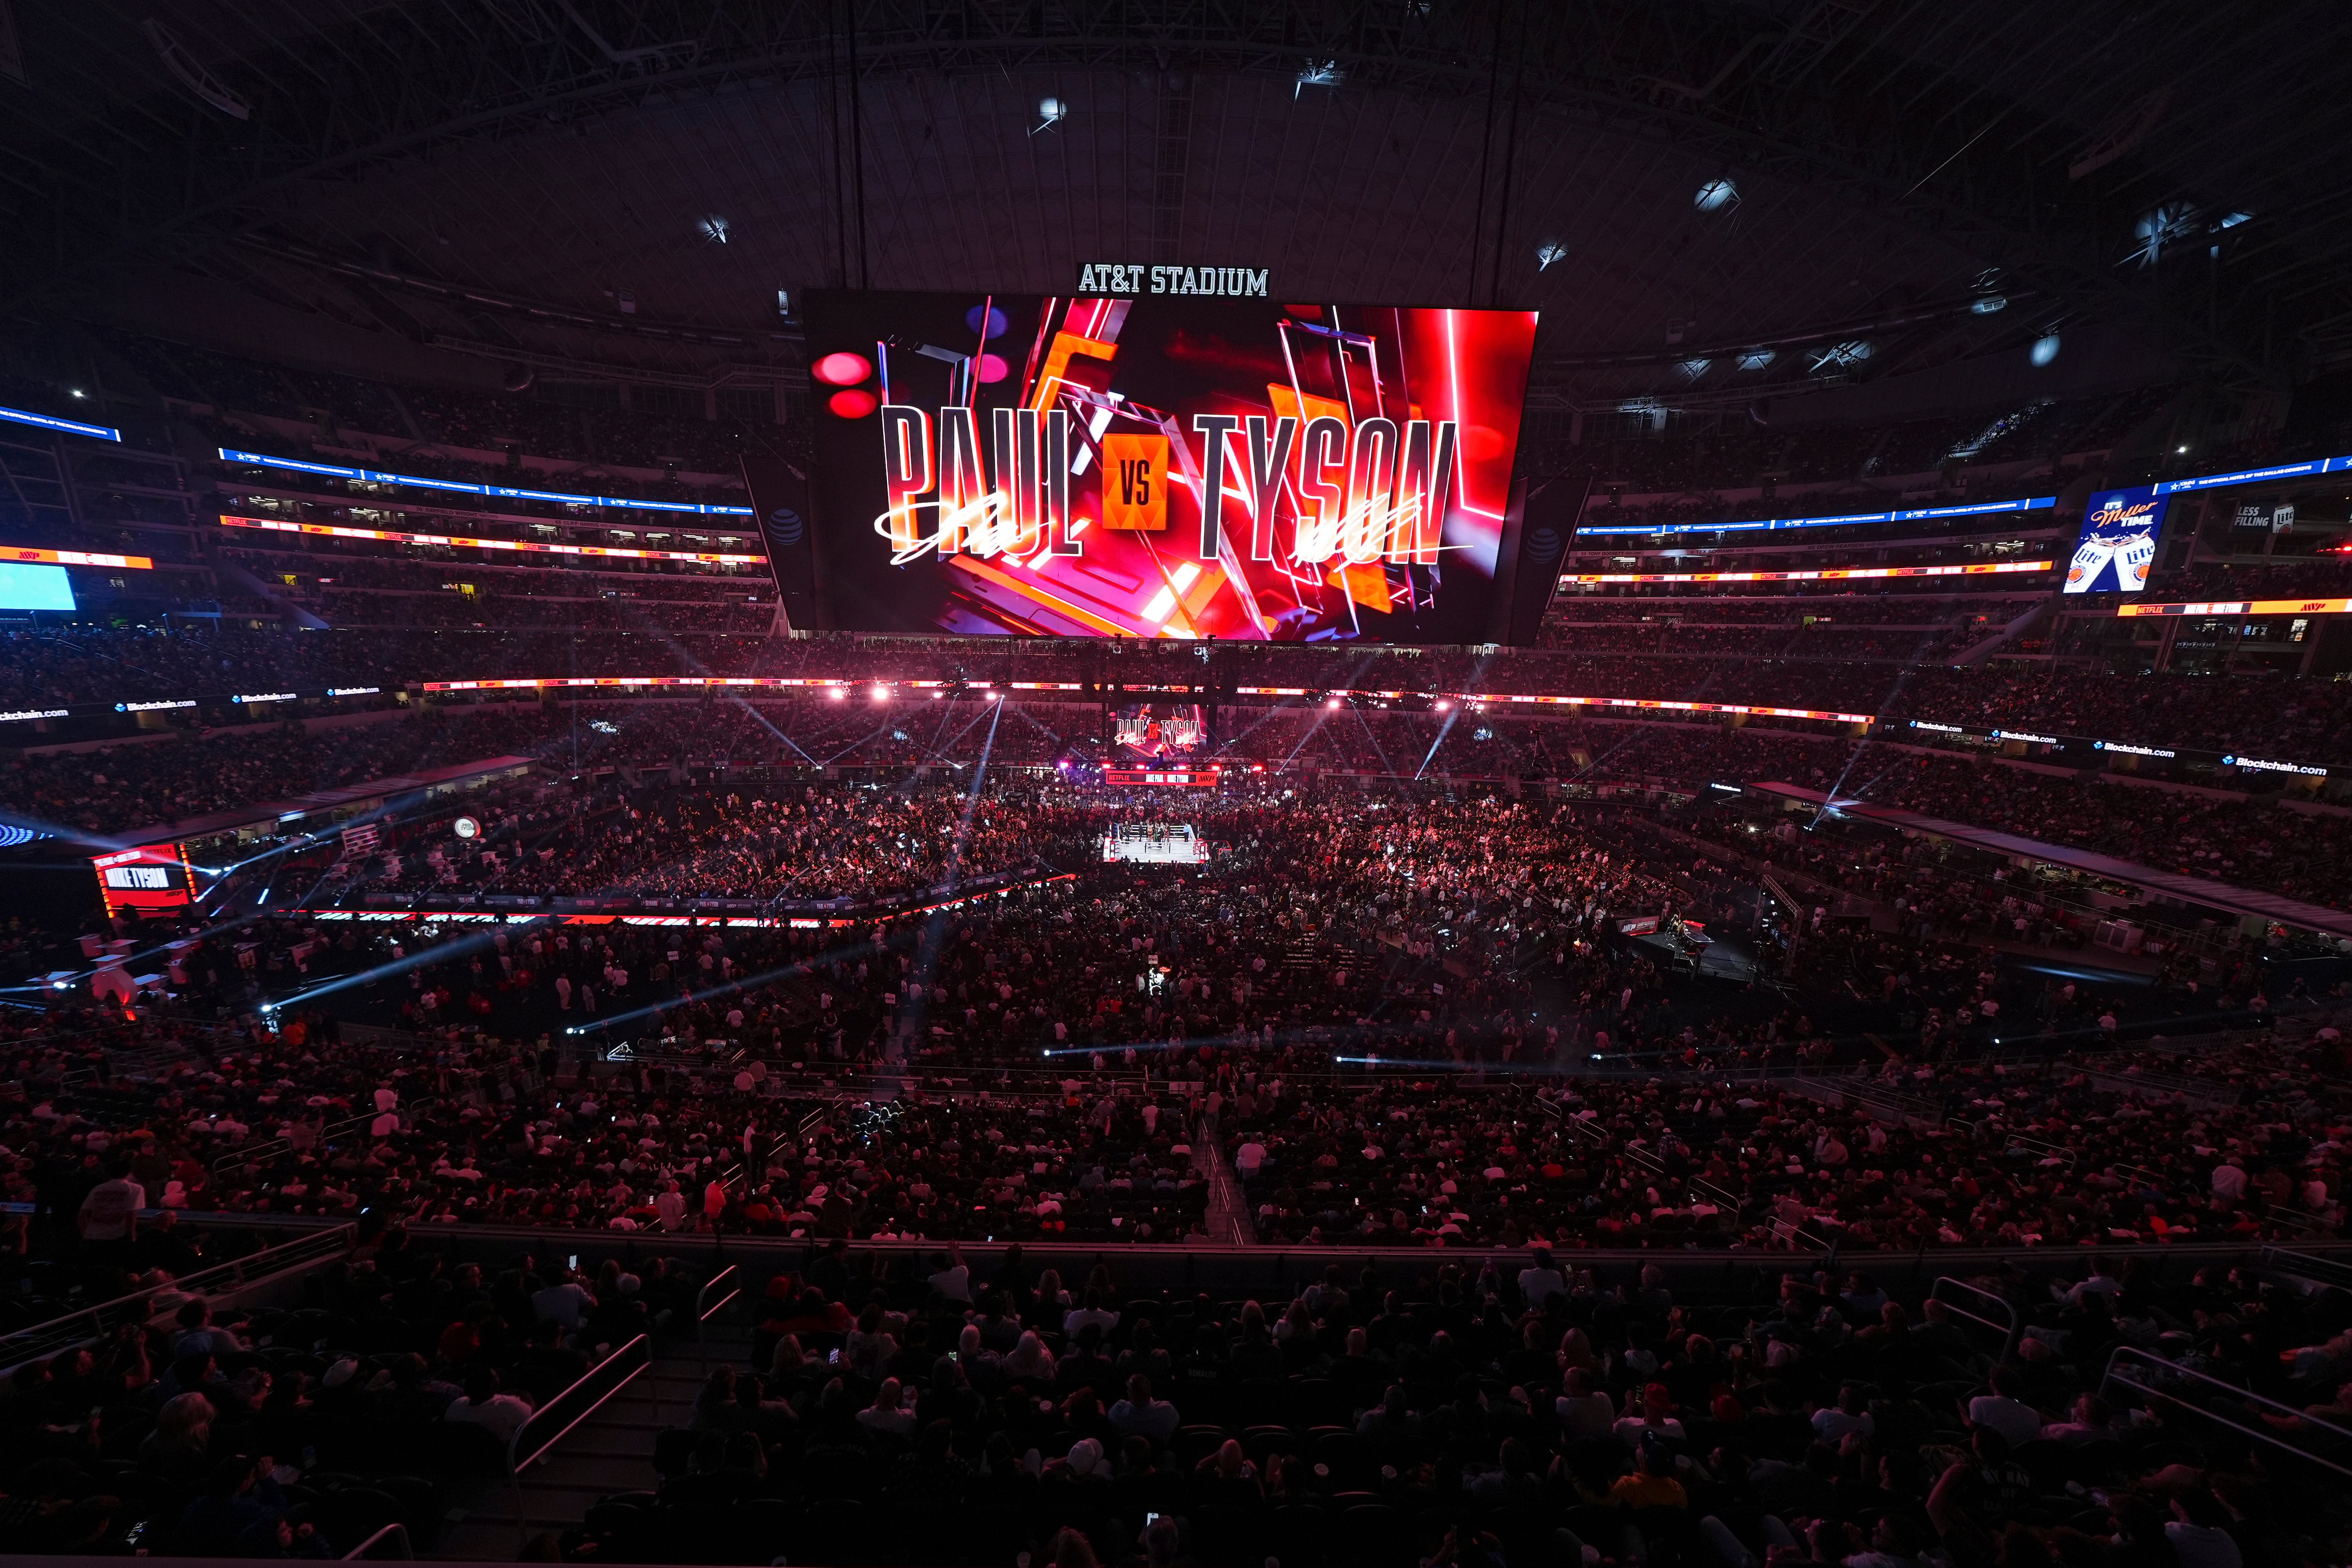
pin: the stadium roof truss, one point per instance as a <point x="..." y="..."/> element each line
<point x="2087" y="163"/>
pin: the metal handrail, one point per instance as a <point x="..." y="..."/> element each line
<point x="2008" y="1331"/>
<point x="525" y="1448"/>
<point x="2304" y="1265"/>
<point x="94" y="1322"/>
<point x="254" y="1153"/>
<point x="1725" y="1198"/>
<point x="705" y="1308"/>
<point x="2132" y="1355"/>
<point x="397" y="1530"/>
<point x="2042" y="1146"/>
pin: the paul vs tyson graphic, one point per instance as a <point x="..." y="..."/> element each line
<point x="2118" y="541"/>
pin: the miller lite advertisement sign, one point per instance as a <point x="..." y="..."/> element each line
<point x="2118" y="541"/>
<point x="1184" y="466"/>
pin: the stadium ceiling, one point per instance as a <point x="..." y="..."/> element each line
<point x="631" y="184"/>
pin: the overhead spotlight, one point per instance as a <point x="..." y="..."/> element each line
<point x="881" y="694"/>
<point x="713" y="227"/>
<point x="1837" y="356"/>
<point x="1318" y="73"/>
<point x="1549" y="251"/>
<point x="1991" y="304"/>
<point x="1051" y="112"/>
<point x="837" y="693"/>
<point x="1331" y="702"/>
<point x="79" y="393"/>
<point x="1756" y="359"/>
<point x="2044" y="350"/>
<point x="1446" y="707"/>
<point x="1716" y="196"/>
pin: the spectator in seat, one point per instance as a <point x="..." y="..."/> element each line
<point x="500" y="1415"/>
<point x="198" y="1332"/>
<point x="1140" y="1414"/>
<point x="2093" y="1422"/>
<point x="2003" y="1412"/>
<point x="243" y="1513"/>
<point x="888" y="1412"/>
<point x="566" y="1302"/>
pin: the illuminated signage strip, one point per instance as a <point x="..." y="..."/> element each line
<point x="1675" y="706"/>
<point x="546" y="682"/>
<point x="68" y="426"/>
<point x="2123" y="748"/>
<point x="2244" y="607"/>
<point x="172" y="704"/>
<point x="1190" y="778"/>
<point x="77" y="558"/>
<point x="1920" y="514"/>
<point x="2305" y="769"/>
<point x="525" y="547"/>
<point x="502" y="492"/>
<point x="1831" y="574"/>
<point x="2255" y="475"/>
<point x="752" y="922"/>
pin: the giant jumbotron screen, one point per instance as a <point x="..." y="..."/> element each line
<point x="1020" y="464"/>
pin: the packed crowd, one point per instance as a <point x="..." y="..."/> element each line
<point x="1517" y="1410"/>
<point x="1505" y="1408"/>
<point x="814" y="842"/>
<point x="1465" y="937"/>
<point x="2227" y="839"/>
<point x="384" y="1391"/>
<point x="1827" y="666"/>
<point x="185" y="776"/>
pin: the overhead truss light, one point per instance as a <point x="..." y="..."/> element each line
<point x="2044" y="350"/>
<point x="1318" y="73"/>
<point x="1693" y="369"/>
<point x="2161" y="226"/>
<point x="1549" y="251"/>
<point x="1757" y="359"/>
<point x="714" y="228"/>
<point x="1716" y="196"/>
<point x="1051" y="112"/>
<point x="1837" y="356"/>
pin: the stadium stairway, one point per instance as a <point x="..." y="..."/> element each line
<point x="611" y="1451"/>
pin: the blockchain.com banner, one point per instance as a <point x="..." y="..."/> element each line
<point x="1187" y="468"/>
<point x="2118" y="541"/>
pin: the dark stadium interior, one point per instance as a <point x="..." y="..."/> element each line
<point x="1041" y="784"/>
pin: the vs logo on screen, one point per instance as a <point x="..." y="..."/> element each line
<point x="1135" y="483"/>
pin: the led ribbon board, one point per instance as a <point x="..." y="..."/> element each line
<point x="1921" y="514"/>
<point x="500" y="492"/>
<point x="1832" y="575"/>
<point x="843" y="687"/>
<point x="2243" y="607"/>
<point x="521" y="546"/>
<point x="2307" y="469"/>
<point x="64" y="426"/>
<point x="76" y="558"/>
